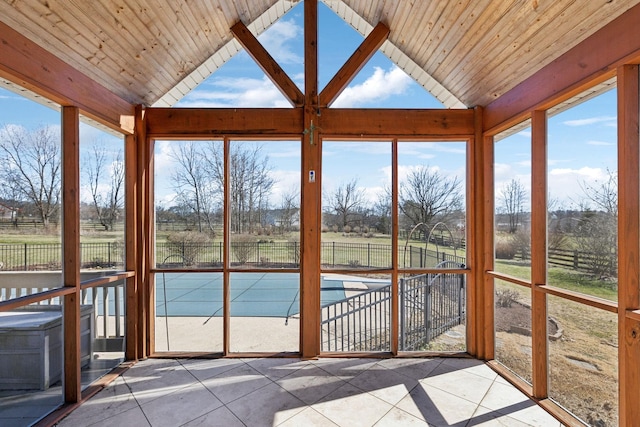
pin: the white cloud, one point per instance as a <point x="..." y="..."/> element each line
<point x="377" y="87"/>
<point x="237" y="92"/>
<point x="566" y="184"/>
<point x="600" y="143"/>
<point x="590" y="121"/>
<point x="277" y="38"/>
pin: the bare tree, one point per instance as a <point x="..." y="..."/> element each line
<point x="604" y="195"/>
<point x="289" y="208"/>
<point x="513" y="197"/>
<point x="30" y="165"/>
<point x="382" y="211"/>
<point x="108" y="200"/>
<point x="596" y="233"/>
<point x="347" y="201"/>
<point x="192" y="182"/>
<point x="250" y="182"/>
<point x="426" y="195"/>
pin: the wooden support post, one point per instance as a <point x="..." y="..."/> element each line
<point x="628" y="243"/>
<point x="131" y="248"/>
<point x="142" y="237"/>
<point x="539" y="340"/>
<point x="480" y="331"/>
<point x="71" y="251"/>
<point x="226" y="256"/>
<point x="395" y="222"/>
<point x="311" y="192"/>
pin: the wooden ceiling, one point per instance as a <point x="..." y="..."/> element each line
<point x="153" y="52"/>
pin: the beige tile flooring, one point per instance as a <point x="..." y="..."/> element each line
<point x="323" y="392"/>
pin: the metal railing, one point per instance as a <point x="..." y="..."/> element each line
<point x="358" y="323"/>
<point x="430" y="304"/>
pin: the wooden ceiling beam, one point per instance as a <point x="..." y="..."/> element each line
<point x="182" y="122"/>
<point x="354" y="64"/>
<point x="266" y="62"/>
<point x="30" y="66"/>
<point x="397" y="123"/>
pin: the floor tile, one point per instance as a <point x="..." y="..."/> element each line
<point x="384" y="384"/>
<point x="236" y="383"/>
<point x="310" y="384"/>
<point x="292" y="392"/>
<point x="462" y="383"/>
<point x="437" y="407"/>
<point x="203" y="369"/>
<point x="222" y="417"/>
<point x="397" y="417"/>
<point x="308" y="417"/>
<point x="181" y="406"/>
<point x="275" y="368"/>
<point x="109" y="402"/>
<point x="268" y="406"/>
<point x="349" y="406"/>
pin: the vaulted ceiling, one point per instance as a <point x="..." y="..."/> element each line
<point x="464" y="52"/>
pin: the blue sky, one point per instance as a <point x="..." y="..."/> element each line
<point x="582" y="141"/>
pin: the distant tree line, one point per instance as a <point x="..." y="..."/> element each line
<point x="31" y="170"/>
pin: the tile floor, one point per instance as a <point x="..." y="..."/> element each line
<point x="324" y="392"/>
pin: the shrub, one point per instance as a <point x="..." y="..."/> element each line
<point x="187" y="245"/>
<point x="506" y="297"/>
<point x="243" y="247"/>
<point x="505" y="250"/>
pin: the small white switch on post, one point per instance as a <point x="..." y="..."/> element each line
<point x="312" y="176"/>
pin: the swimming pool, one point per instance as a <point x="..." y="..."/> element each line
<point x="251" y="294"/>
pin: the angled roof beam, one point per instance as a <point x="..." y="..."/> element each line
<point x="268" y="64"/>
<point x="354" y="64"/>
<point x="31" y="67"/>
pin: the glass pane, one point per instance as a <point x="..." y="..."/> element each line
<point x="30" y="173"/>
<point x="432" y="205"/>
<point x="189" y="182"/>
<point x="583" y="361"/>
<point x="102" y="197"/>
<point x="265" y="312"/>
<point x="356" y="218"/>
<point x="583" y="198"/>
<point x="355" y="312"/>
<point x="513" y="328"/>
<point x="189" y="312"/>
<point x="432" y="312"/>
<point x="31" y="362"/>
<point x="264" y="195"/>
<point x="513" y="201"/>
<point x="103" y="318"/>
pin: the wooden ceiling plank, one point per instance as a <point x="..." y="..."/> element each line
<point x="422" y="40"/>
<point x="29" y="14"/>
<point x="566" y="75"/>
<point x="266" y="62"/>
<point x="522" y="67"/>
<point x="30" y="66"/>
<point x="472" y="37"/>
<point x="134" y="57"/>
<point x="354" y="64"/>
<point x="463" y="28"/>
<point x="495" y="55"/>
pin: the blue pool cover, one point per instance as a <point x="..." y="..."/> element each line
<point x="252" y="294"/>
